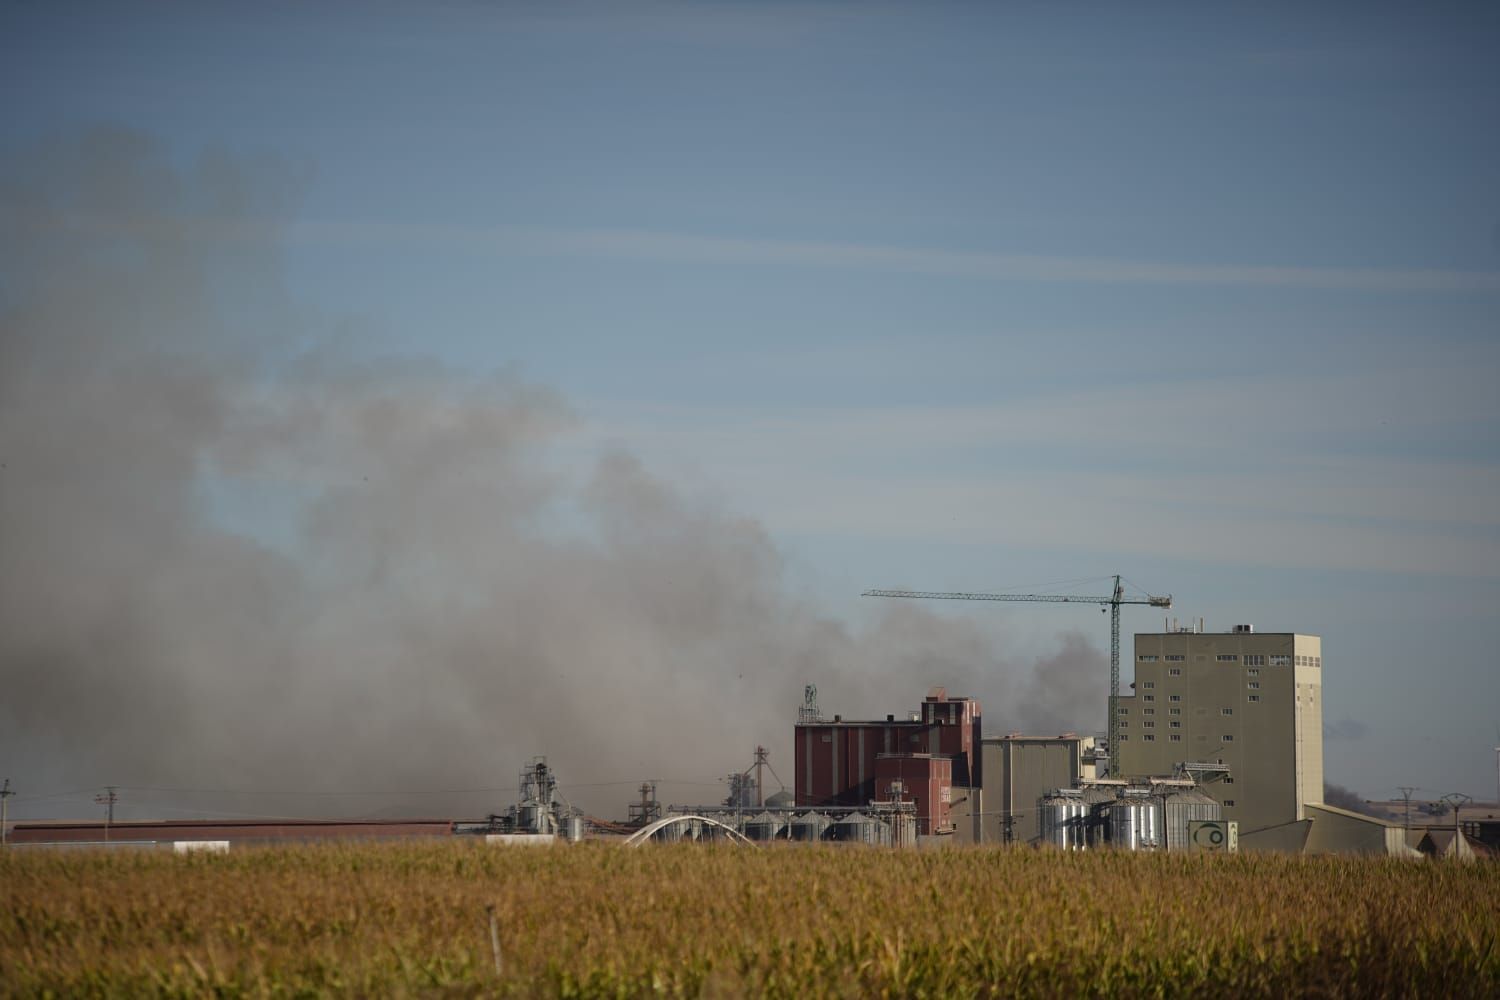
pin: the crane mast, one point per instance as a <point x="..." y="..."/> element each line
<point x="1113" y="602"/>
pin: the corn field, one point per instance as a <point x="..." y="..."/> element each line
<point x="599" y="920"/>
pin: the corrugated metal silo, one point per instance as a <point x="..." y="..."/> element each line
<point x="809" y="826"/>
<point x="1064" y="819"/>
<point x="1181" y="806"/>
<point x="1135" y="822"/>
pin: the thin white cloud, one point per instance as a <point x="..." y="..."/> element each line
<point x="682" y="247"/>
<point x="1006" y="267"/>
<point x="1224" y="470"/>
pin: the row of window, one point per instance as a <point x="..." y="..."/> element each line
<point x="1251" y="660"/>
<point x="1175" y="738"/>
<point x="1178" y="697"/>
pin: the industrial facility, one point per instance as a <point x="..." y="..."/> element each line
<point x="1217" y="747"/>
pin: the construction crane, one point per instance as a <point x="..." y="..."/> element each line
<point x="1113" y="602"/>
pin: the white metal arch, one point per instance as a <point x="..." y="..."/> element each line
<point x="645" y="833"/>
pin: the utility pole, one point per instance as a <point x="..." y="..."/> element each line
<point x="1456" y="799"/>
<point x="1406" y="791"/>
<point x="108" y="798"/>
<point x="5" y="794"/>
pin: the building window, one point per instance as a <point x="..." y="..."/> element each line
<point x="1176" y="738"/>
<point x="1149" y="738"/>
<point x="1228" y="657"/>
<point x="1253" y="685"/>
<point x="1146" y="659"/>
<point x="1148" y="697"/>
<point x="1174" y="697"/>
<point x="1226" y="711"/>
<point x="1228" y="737"/>
<point x="1252" y="673"/>
<point x="1123" y="723"/>
<point x="1174" y="657"/>
<point x="1148" y="684"/>
<point x="1124" y="737"/>
<point x="1174" y="711"/>
<point x="1149" y="724"/>
<point x="1176" y="725"/>
<point x="1148" y="711"/>
<point x="1227" y="802"/>
<point x="1228" y="779"/>
<point x="1255" y="660"/>
<point x="1174" y="671"/>
<point x="1280" y="661"/>
<point x="1122" y="711"/>
<point x="1255" y="697"/>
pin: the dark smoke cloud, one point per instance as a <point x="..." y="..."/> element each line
<point x="1347" y="798"/>
<point x="239" y="558"/>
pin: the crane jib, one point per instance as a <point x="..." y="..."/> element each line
<point x="1152" y="601"/>
<point x="1113" y="602"/>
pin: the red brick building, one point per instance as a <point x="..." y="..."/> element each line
<point x="836" y="761"/>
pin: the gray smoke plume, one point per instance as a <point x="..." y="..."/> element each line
<point x="1348" y="798"/>
<point x="247" y="571"/>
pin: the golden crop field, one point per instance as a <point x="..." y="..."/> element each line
<point x="601" y="920"/>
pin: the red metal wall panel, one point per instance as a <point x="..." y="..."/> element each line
<point x="925" y="780"/>
<point x="835" y="761"/>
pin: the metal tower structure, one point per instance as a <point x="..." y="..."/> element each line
<point x="1113" y="602"/>
<point x="809" y="710"/>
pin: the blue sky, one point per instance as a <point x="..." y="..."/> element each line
<point x="956" y="296"/>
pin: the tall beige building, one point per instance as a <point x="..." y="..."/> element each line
<point x="1252" y="701"/>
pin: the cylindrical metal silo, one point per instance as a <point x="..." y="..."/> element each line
<point x="1135" y="822"/>
<point x="1064" y="819"/>
<point x="1182" y="806"/>
<point x="809" y="826"/>
<point x="765" y="826"/>
<point x="1099" y="796"/>
<point x="861" y="829"/>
